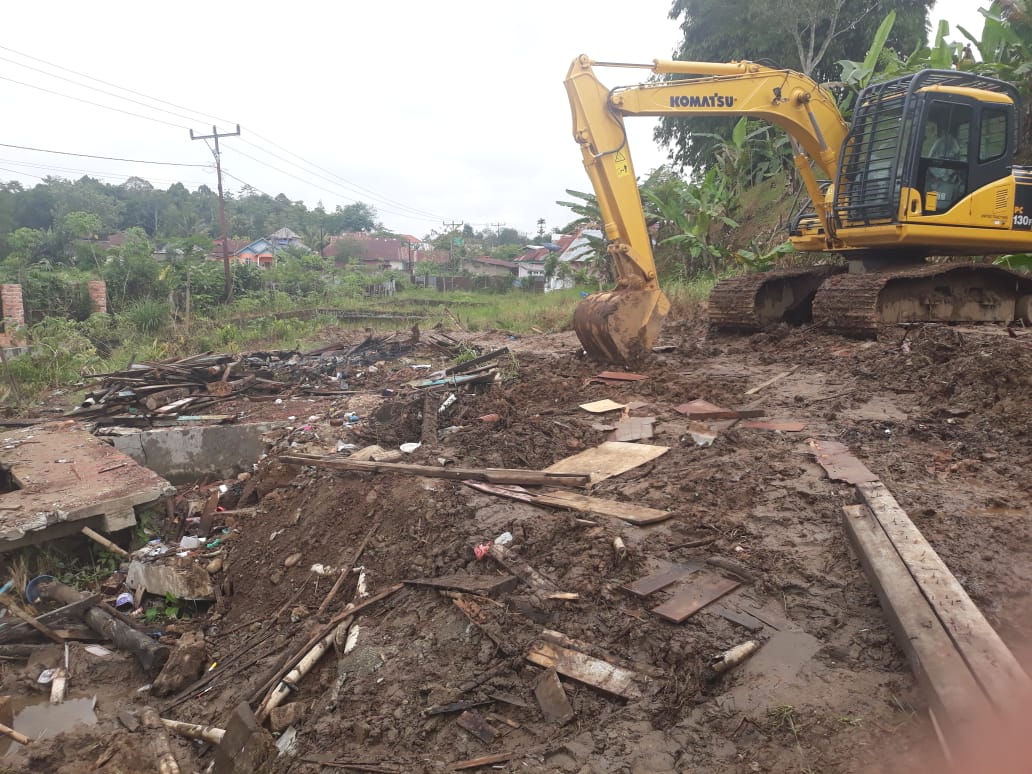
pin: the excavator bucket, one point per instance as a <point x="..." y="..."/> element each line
<point x="620" y="326"/>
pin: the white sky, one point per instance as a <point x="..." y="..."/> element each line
<point x="452" y="110"/>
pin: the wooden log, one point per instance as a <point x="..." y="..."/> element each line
<point x="990" y="660"/>
<point x="109" y="545"/>
<point x="493" y="475"/>
<point x="151" y="654"/>
<point x="167" y="763"/>
<point x="573" y="501"/>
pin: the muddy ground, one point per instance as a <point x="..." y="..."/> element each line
<point x="941" y="414"/>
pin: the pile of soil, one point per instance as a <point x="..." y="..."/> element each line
<point x="940" y="414"/>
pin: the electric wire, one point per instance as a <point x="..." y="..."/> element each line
<point x="104" y="158"/>
<point x="392" y="206"/>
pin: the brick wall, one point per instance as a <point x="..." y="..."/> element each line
<point x="11" y="303"/>
<point x="98" y="295"/>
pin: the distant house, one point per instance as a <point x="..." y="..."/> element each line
<point x="494" y="267"/>
<point x="258" y="252"/>
<point x="576" y="254"/>
<point x="372" y="252"/>
<point x="531" y="264"/>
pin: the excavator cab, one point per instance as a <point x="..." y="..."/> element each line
<point x="917" y="148"/>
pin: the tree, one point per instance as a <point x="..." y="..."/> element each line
<point x="809" y="36"/>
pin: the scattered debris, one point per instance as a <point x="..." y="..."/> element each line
<point x="839" y="462"/>
<point x="606" y="460"/>
<point x="701" y="409"/>
<point x="660" y="580"/>
<point x="780" y="427"/>
<point x="772" y="380"/>
<point x="552" y="699"/>
<point x="629" y="512"/>
<point x="588" y="670"/>
<point x="602" y="406"/>
<point x="731" y="658"/>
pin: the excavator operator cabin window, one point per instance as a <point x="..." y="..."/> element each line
<point x="992" y="139"/>
<point x="944" y="155"/>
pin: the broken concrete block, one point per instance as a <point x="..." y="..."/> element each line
<point x="179" y="576"/>
<point x="184" y="665"/>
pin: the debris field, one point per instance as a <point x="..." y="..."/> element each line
<point x="516" y="559"/>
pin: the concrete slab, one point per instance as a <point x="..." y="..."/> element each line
<point x="67" y="479"/>
<point x="185" y="454"/>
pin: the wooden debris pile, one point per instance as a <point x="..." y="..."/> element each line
<point x="172" y="388"/>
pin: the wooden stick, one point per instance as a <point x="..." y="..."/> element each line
<point x="110" y="546"/>
<point x="771" y="381"/>
<point x="17" y="736"/>
<point x="291" y="662"/>
<point x="493" y="475"/>
<point x="346" y="570"/>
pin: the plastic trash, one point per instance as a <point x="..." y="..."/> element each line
<point x="408" y="448"/>
<point x="446" y="403"/>
<point x="32" y="587"/>
<point x="189" y="542"/>
<point x="125" y="598"/>
<point x="504" y="539"/>
<point x="481" y="550"/>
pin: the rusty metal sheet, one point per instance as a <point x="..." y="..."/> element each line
<point x="839" y="463"/>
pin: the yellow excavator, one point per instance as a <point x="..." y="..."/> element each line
<point x="925" y="169"/>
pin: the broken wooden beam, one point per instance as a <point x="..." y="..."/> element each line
<point x="551" y="697"/>
<point x="650" y="584"/>
<point x="469" y="365"/>
<point x="97" y="537"/>
<point x="492" y="475"/>
<point x="772" y="380"/>
<point x="588" y="670"/>
<point x="484" y="585"/>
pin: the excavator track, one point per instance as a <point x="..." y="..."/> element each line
<point x="751" y="302"/>
<point x="857" y="304"/>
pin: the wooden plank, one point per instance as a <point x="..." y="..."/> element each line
<point x="724" y="414"/>
<point x="587" y="669"/>
<point x="503" y="757"/>
<point x="988" y="657"/>
<point x="840" y="464"/>
<point x="608" y="459"/>
<point x="771" y="381"/>
<point x="705" y="588"/>
<point x="954" y="697"/>
<point x="475" y="723"/>
<point x="740" y="617"/>
<point x="485" y="585"/>
<point x="518" y="567"/>
<point x="552" y="699"/>
<point x="494" y="475"/>
<point x="574" y="501"/>
<point x="659" y="580"/>
<point x="630" y="512"/>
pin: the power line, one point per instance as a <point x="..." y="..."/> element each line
<point x="95" y="104"/>
<point x="115" y="85"/>
<point x="403" y="210"/>
<point x="355" y="186"/>
<point x="104" y="158"/>
<point x="94" y="88"/>
<point x="93" y="173"/>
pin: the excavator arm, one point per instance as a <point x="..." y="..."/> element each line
<point x="621" y="325"/>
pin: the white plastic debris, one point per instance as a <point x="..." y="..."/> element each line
<point x="504" y="539"/>
<point x="408" y="448"/>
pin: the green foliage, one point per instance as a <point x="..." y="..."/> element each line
<point x="147" y="316"/>
<point x="1018" y="261"/>
<point x="755" y="260"/>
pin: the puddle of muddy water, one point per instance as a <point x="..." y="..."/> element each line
<point x="37" y="718"/>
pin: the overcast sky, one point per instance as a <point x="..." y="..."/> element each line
<point x="431" y="112"/>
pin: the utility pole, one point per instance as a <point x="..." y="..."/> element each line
<point x="222" y="201"/>
<point x="498" y="231"/>
<point x="451" y="240"/>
